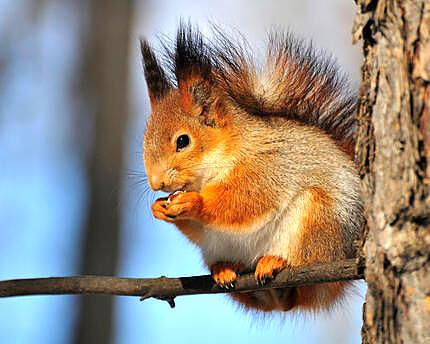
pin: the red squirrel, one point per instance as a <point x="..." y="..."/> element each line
<point x="259" y="159"/>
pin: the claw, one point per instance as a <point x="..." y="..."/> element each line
<point x="220" y="286"/>
<point x="227" y="286"/>
<point x="263" y="281"/>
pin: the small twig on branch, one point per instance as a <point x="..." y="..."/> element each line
<point x="167" y="289"/>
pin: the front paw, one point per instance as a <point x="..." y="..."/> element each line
<point x="183" y="206"/>
<point x="159" y="208"/>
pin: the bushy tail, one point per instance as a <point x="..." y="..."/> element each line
<point x="295" y="80"/>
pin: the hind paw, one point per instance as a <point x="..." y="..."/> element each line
<point x="225" y="274"/>
<point x="267" y="268"/>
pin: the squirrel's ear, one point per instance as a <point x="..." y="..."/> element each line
<point x="195" y="95"/>
<point x="194" y="74"/>
<point x="156" y="79"/>
<point x="199" y="98"/>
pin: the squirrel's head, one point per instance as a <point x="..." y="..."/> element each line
<point x="188" y="136"/>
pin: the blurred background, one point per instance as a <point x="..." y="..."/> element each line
<point x="73" y="199"/>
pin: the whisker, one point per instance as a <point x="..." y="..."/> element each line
<point x="141" y="191"/>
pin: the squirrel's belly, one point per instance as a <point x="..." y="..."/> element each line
<point x="274" y="238"/>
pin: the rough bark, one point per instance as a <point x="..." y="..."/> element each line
<point x="103" y="86"/>
<point x="393" y="151"/>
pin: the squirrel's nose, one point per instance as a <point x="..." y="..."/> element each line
<point x="156" y="182"/>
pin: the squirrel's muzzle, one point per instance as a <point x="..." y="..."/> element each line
<point x="156" y="182"/>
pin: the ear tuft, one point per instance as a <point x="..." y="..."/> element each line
<point x="193" y="68"/>
<point x="192" y="55"/>
<point x="156" y="79"/>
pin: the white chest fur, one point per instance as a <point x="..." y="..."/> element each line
<point x="276" y="237"/>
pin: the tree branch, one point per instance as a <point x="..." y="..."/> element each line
<point x="167" y="289"/>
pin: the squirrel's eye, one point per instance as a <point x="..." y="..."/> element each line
<point x="182" y="141"/>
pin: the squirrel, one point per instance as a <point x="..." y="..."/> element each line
<point x="258" y="160"/>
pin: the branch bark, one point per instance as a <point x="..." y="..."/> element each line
<point x="167" y="289"/>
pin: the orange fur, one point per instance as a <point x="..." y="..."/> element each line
<point x="232" y="207"/>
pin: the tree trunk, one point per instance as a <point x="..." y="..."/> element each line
<point x="104" y="87"/>
<point x="393" y="151"/>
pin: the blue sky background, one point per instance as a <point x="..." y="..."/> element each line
<point x="43" y="190"/>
